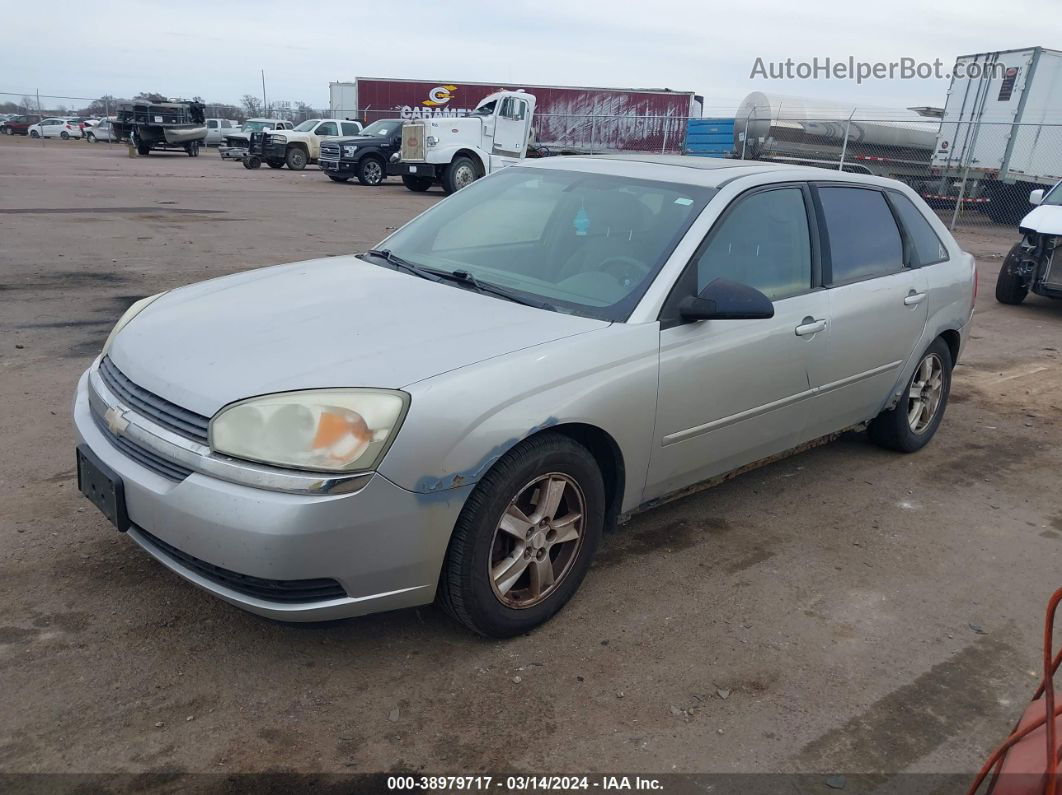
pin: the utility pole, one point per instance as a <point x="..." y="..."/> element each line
<point x="265" y="104"/>
<point x="40" y="116"/>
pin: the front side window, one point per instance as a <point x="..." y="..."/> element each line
<point x="587" y="244"/>
<point x="863" y="238"/>
<point x="1054" y="196"/>
<point x="926" y="247"/>
<point x="212" y="124"/>
<point x="764" y="242"/>
<point x="328" y="128"/>
<point x="307" y="125"/>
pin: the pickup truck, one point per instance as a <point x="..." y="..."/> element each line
<point x="19" y="125"/>
<point x="236" y="141"/>
<point x="363" y="156"/>
<point x="298" y="147"/>
<point x="457" y="151"/>
<point x="216" y="130"/>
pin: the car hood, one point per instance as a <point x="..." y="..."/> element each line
<point x="1045" y="219"/>
<point x="360" y="139"/>
<point x="336" y="322"/>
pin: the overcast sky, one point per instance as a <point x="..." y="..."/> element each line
<point x="215" y="49"/>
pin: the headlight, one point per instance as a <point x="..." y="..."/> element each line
<point x="348" y="151"/>
<point x="130" y="313"/>
<point x="331" y="430"/>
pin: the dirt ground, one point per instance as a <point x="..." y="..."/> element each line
<point x="846" y="609"/>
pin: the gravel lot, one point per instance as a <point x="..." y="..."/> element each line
<point x="843" y="609"/>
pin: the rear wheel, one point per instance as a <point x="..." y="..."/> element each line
<point x="143" y="149"/>
<point x="913" y="421"/>
<point x="90" y="138"/>
<point x="1011" y="288"/>
<point x="296" y="159"/>
<point x="461" y="173"/>
<point x="64" y="135"/>
<point x="371" y="170"/>
<point x="525" y="537"/>
<point x="9" y="131"/>
<point x="417" y="184"/>
<point x="192" y="148"/>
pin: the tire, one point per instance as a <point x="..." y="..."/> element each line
<point x="470" y="592"/>
<point x="275" y="163"/>
<point x="252" y="162"/>
<point x="9" y="131"/>
<point x="1010" y="287"/>
<point x="64" y="135"/>
<point x="338" y="179"/>
<point x="90" y="138"/>
<point x="143" y="149"/>
<point x="34" y="134"/>
<point x="417" y="184"/>
<point x="295" y="159"/>
<point x="192" y="148"/>
<point x="461" y="173"/>
<point x="894" y="428"/>
<point x="371" y="171"/>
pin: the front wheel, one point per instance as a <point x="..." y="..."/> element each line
<point x="417" y="184"/>
<point x="525" y="537"/>
<point x="296" y="159"/>
<point x="252" y="162"/>
<point x="461" y="173"/>
<point x="1011" y="288"/>
<point x="913" y="421"/>
<point x="34" y="134"/>
<point x="371" y="171"/>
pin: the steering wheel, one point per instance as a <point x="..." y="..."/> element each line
<point x="626" y="270"/>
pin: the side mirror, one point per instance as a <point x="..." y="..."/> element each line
<point x="723" y="299"/>
<point x="1036" y="196"/>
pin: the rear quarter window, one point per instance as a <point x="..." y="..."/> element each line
<point x="861" y="231"/>
<point x="926" y="247"/>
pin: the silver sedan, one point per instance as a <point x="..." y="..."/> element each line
<point x="459" y="413"/>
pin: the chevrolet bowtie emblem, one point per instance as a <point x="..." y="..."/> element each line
<point x="116" y="422"/>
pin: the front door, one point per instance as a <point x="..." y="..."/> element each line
<point x="512" y="124"/>
<point x="735" y="391"/>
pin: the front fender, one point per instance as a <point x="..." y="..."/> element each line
<point x="460" y="423"/>
<point x="445" y="154"/>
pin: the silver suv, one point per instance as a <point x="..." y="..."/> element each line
<point x="458" y="413"/>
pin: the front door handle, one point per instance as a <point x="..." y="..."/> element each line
<point x="810" y="325"/>
<point x="914" y="298"/>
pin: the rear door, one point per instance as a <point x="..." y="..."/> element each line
<point x="877" y="305"/>
<point x="734" y="391"/>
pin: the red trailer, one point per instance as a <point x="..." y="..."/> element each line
<point x="566" y="117"/>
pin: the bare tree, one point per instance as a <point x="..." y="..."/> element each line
<point x="251" y="104"/>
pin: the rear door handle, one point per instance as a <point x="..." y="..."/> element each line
<point x="810" y="326"/>
<point x="914" y="298"/>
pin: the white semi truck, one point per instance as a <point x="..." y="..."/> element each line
<point x="456" y="151"/>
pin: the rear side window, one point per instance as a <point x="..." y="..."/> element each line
<point x="926" y="247"/>
<point x="327" y="128"/>
<point x="862" y="233"/>
<point x="349" y="128"/>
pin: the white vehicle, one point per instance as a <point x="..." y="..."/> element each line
<point x="55" y="127"/>
<point x="1035" y="263"/>
<point x="216" y="130"/>
<point x="300" y="146"/>
<point x="458" y="151"/>
<point x="103" y="130"/>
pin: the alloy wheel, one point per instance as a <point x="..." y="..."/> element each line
<point x="537" y="540"/>
<point x="925" y="393"/>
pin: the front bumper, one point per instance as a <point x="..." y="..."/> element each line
<point x="232" y="152"/>
<point x="384" y="545"/>
<point x="404" y="169"/>
<point x="338" y="168"/>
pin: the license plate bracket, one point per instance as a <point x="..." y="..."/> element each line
<point x="103" y="486"/>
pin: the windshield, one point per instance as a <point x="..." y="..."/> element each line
<point x="486" y="110"/>
<point x="307" y="125"/>
<point x="1054" y="198"/>
<point x="257" y="126"/>
<point x="587" y="244"/>
<point x="381" y="128"/>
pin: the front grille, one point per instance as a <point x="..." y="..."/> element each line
<point x="143" y="456"/>
<point x="329" y="151"/>
<point x="288" y="591"/>
<point x="413" y="141"/>
<point x="158" y="410"/>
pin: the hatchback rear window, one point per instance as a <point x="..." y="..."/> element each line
<point x="863" y="237"/>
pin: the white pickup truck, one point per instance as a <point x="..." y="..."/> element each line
<point x="1035" y="263"/>
<point x="300" y="146"/>
<point x="457" y="151"/>
<point x="235" y="142"/>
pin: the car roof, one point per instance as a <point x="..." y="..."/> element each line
<point x="711" y="172"/>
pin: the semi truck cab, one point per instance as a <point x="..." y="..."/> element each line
<point x="456" y="151"/>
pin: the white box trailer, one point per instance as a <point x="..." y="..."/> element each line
<point x="1001" y="134"/>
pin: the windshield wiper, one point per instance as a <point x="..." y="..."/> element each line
<point x="464" y="277"/>
<point x="388" y="256"/>
<point x="458" y="277"/>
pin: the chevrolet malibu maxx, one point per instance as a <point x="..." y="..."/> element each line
<point x="457" y="414"/>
